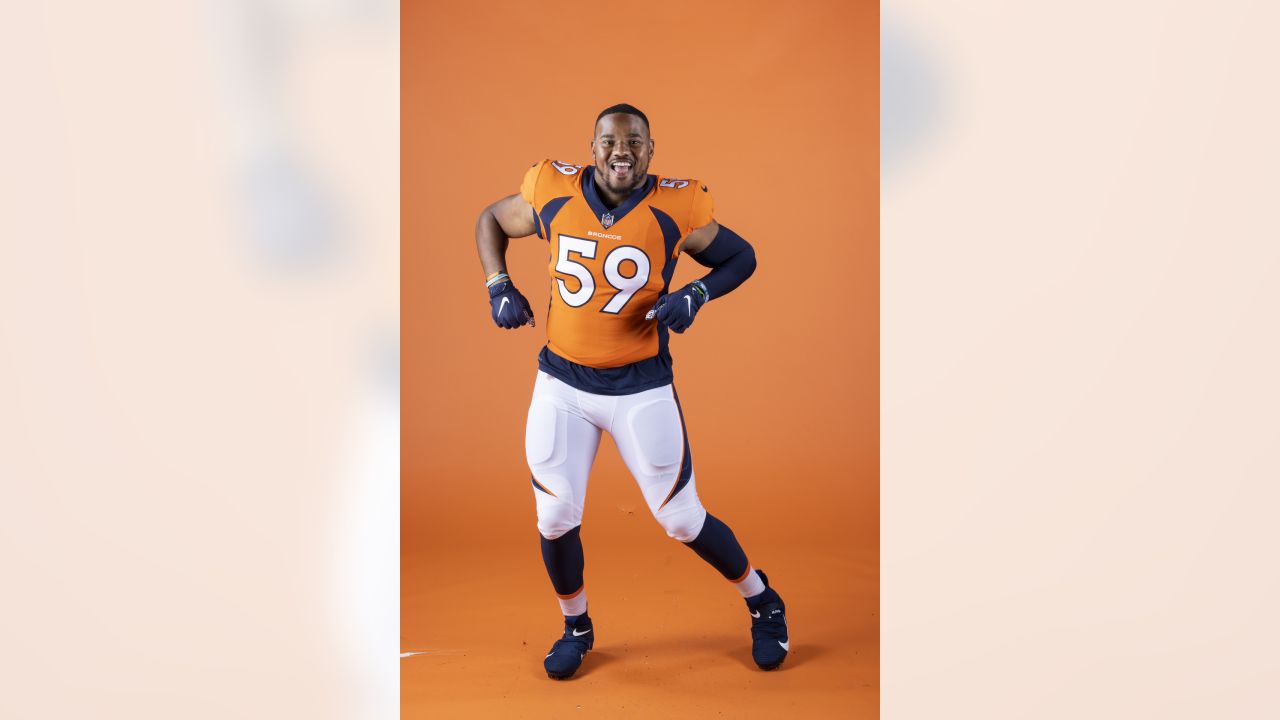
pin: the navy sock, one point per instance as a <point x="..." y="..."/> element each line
<point x="564" y="560"/>
<point x="717" y="545"/>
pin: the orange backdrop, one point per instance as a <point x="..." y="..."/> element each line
<point x="775" y="106"/>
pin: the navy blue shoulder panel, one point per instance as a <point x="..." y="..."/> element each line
<point x="549" y="212"/>
<point x="670" y="237"/>
<point x="637" y="377"/>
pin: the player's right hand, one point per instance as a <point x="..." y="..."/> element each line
<point x="509" y="308"/>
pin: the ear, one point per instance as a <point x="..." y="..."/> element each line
<point x="650" y="147"/>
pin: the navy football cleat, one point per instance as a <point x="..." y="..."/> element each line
<point x="566" y="655"/>
<point x="769" y="640"/>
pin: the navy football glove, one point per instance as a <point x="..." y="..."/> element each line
<point x="678" y="309"/>
<point x="509" y="308"/>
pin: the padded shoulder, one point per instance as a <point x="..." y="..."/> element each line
<point x="688" y="201"/>
<point x="549" y="179"/>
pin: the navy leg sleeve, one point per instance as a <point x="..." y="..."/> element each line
<point x="564" y="560"/>
<point x="717" y="545"/>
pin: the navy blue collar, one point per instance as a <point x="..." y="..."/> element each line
<point x="600" y="209"/>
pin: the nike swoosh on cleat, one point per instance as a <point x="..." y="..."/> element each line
<point x="755" y="613"/>
<point x="785" y="645"/>
<point x="580" y="634"/>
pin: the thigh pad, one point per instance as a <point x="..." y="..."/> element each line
<point x="545" y="440"/>
<point x="657" y="433"/>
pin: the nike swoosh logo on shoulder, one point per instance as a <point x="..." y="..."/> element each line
<point x="580" y="634"/>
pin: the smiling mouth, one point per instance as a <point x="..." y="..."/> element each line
<point x="620" y="168"/>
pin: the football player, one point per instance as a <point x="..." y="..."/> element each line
<point x="615" y="232"/>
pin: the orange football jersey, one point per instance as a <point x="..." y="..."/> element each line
<point x="609" y="266"/>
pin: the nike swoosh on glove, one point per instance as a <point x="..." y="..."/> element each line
<point x="508" y="307"/>
<point x="678" y="309"/>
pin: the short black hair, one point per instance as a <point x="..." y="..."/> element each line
<point x="625" y="109"/>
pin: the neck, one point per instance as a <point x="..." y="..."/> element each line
<point x="612" y="199"/>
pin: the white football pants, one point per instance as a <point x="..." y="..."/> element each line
<point x="561" y="439"/>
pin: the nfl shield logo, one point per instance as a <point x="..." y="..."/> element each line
<point x="606" y="220"/>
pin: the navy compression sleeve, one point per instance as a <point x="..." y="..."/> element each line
<point x="731" y="259"/>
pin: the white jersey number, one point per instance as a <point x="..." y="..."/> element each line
<point x="627" y="286"/>
<point x="566" y="168"/>
<point x="587" y="284"/>
<point x="624" y="284"/>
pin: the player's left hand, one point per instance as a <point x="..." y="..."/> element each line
<point x="678" y="309"/>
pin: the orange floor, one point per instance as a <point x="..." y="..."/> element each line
<point x="672" y="636"/>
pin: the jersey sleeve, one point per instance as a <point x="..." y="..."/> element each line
<point x="531" y="182"/>
<point x="703" y="210"/>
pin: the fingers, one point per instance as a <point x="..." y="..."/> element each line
<point x="657" y="308"/>
<point x="506" y="317"/>
<point x="503" y="320"/>
<point x="675" y="321"/>
<point x="665" y="310"/>
<point x="511" y="312"/>
<point x="526" y="313"/>
<point x="675" y="311"/>
<point x="683" y="310"/>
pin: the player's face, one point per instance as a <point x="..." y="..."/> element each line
<point x="622" y="149"/>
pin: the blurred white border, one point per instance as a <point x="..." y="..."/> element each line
<point x="1079" y="388"/>
<point x="199" y="288"/>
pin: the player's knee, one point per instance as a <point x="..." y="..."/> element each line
<point x="556" y="519"/>
<point x="683" y="524"/>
